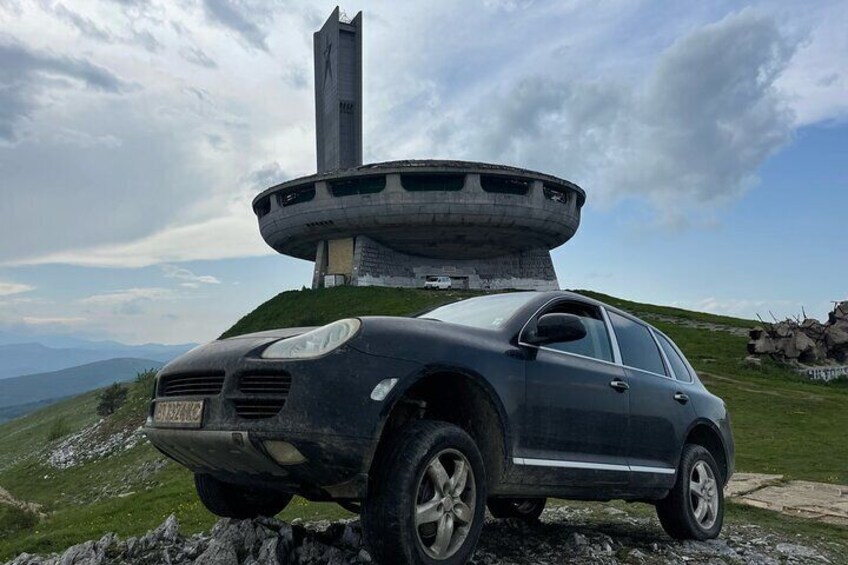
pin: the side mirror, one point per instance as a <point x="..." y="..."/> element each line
<point x="553" y="328"/>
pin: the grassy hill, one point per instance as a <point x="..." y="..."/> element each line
<point x="782" y="425"/>
<point x="19" y="395"/>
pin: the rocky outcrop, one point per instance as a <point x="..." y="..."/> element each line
<point x="579" y="535"/>
<point x="808" y="341"/>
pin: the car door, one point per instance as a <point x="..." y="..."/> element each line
<point x="659" y="408"/>
<point x="576" y="409"/>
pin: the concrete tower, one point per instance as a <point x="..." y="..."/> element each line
<point x="484" y="225"/>
<point x="338" y="93"/>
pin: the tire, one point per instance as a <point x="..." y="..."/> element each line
<point x="406" y="478"/>
<point x="694" y="509"/>
<point x="231" y="501"/>
<point x="528" y="509"/>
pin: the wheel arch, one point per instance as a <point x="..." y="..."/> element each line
<point x="404" y="405"/>
<point x="705" y="433"/>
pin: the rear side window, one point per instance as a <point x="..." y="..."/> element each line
<point x="678" y="365"/>
<point x="638" y="348"/>
<point x="596" y="344"/>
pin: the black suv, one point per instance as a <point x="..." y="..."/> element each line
<point x="420" y="423"/>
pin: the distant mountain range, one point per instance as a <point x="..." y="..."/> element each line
<point x="23" y="394"/>
<point x="28" y="354"/>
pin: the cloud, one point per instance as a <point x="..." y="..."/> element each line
<point x="118" y="297"/>
<point x="127" y="302"/>
<point x="189" y="278"/>
<point x="236" y="17"/>
<point x="197" y="57"/>
<point x="38" y="321"/>
<point x="7" y="288"/>
<point x="26" y="74"/>
<point x="817" y="81"/>
<point x="84" y="25"/>
<point x="296" y="76"/>
<point x="219" y="238"/>
<point x="689" y="136"/>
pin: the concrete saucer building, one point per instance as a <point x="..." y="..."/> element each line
<point x="486" y="226"/>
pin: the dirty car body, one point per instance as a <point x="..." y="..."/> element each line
<point x="574" y="421"/>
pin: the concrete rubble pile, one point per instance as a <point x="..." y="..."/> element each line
<point x="809" y="341"/>
<point x="565" y="535"/>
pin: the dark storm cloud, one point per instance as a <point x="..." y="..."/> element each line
<point x="238" y="18"/>
<point x="24" y="74"/>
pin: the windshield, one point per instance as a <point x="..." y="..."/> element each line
<point x="487" y="312"/>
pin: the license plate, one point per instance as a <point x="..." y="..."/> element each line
<point x="179" y="413"/>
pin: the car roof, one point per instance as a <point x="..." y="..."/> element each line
<point x="554" y="294"/>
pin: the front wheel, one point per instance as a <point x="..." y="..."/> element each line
<point x="233" y="501"/>
<point x="528" y="509"/>
<point x="427" y="502"/>
<point x="694" y="509"/>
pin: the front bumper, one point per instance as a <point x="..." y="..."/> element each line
<point x="240" y="457"/>
<point x="327" y="415"/>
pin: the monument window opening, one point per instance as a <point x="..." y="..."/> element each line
<point x="358" y="185"/>
<point x="296" y="195"/>
<point x="418" y="182"/>
<point x="504" y="185"/>
<point x="262" y="207"/>
<point x="555" y="193"/>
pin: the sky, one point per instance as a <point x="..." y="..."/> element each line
<point x="711" y="139"/>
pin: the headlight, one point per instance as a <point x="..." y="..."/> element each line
<point x="314" y="343"/>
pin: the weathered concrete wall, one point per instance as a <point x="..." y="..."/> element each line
<point x="377" y="265"/>
<point x="462" y="224"/>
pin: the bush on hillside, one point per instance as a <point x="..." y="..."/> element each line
<point x="14" y="520"/>
<point x="59" y="428"/>
<point x="111" y="399"/>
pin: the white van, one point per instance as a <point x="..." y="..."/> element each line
<point x="438" y="283"/>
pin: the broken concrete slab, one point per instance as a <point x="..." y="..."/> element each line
<point x="820" y="501"/>
<point x="743" y="483"/>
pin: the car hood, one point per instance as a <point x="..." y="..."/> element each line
<point x="223" y="351"/>
<point x="422" y="340"/>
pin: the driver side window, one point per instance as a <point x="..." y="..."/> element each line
<point x="596" y="343"/>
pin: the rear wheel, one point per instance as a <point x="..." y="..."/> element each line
<point x="528" y="509"/>
<point x="233" y="501"/>
<point x="694" y="509"/>
<point x="426" y="504"/>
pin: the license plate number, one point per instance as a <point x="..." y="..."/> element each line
<point x="179" y="413"/>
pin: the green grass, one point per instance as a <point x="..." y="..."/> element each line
<point x="647" y="310"/>
<point x="782" y="424"/>
<point x="322" y="306"/>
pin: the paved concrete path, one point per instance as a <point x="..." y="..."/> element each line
<point x="820" y="501"/>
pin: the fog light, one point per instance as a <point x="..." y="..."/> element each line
<point x="382" y="389"/>
<point x="284" y="453"/>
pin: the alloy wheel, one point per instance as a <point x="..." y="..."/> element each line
<point x="704" y="495"/>
<point x="445" y="504"/>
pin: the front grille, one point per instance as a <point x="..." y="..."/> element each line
<point x="257" y="409"/>
<point x="265" y="383"/>
<point x="191" y="384"/>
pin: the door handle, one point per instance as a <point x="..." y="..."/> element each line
<point x="681" y="398"/>
<point x="619" y="385"/>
